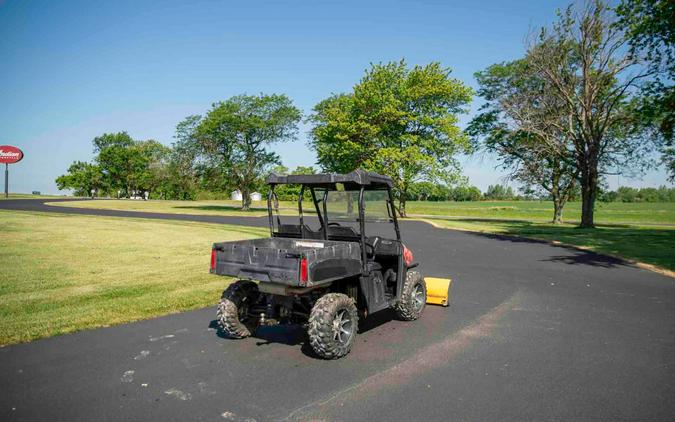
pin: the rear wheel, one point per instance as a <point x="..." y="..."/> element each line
<point x="333" y="323"/>
<point x="413" y="298"/>
<point x="232" y="313"/>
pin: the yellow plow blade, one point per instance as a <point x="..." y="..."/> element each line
<point x="438" y="290"/>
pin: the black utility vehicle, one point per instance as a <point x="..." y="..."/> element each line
<point x="324" y="270"/>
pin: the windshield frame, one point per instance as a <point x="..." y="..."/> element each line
<point x="321" y="209"/>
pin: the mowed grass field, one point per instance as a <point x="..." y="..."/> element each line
<point x="63" y="273"/>
<point x="542" y="211"/>
<point x="533" y="211"/>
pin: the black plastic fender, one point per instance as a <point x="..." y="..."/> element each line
<point x="372" y="287"/>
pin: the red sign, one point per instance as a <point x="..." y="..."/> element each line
<point x="10" y="154"/>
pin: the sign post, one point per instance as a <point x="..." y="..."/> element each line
<point x="9" y="155"/>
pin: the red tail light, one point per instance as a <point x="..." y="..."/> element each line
<point x="407" y="256"/>
<point x="303" y="270"/>
<point x="213" y="259"/>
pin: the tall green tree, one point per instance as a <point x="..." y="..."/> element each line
<point x="185" y="161"/>
<point x="154" y="176"/>
<point x="585" y="61"/>
<point x="121" y="164"/>
<point x="650" y="28"/>
<point x="526" y="129"/>
<point x="109" y="140"/>
<point x="120" y="160"/>
<point x="82" y="178"/>
<point x="235" y="135"/>
<point x="398" y="121"/>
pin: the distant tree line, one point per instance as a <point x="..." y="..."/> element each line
<point x="426" y="191"/>
<point x="436" y="192"/>
<point x="216" y="153"/>
<point x="628" y="194"/>
<point x="121" y="166"/>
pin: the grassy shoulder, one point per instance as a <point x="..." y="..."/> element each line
<point x="30" y="196"/>
<point x="63" y="273"/>
<point x="648" y="244"/>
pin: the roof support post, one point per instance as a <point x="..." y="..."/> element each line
<point x="390" y="200"/>
<point x="362" y="229"/>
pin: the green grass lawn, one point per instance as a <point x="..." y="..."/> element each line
<point x="63" y="273"/>
<point x="534" y="211"/>
<point x="542" y="211"/>
<point x="649" y="244"/>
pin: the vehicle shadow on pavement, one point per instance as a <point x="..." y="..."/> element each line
<point x="588" y="258"/>
<point x="296" y="335"/>
<point x="288" y="335"/>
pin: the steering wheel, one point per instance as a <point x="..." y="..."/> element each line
<point x="334" y="224"/>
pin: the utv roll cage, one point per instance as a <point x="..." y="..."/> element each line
<point x="359" y="181"/>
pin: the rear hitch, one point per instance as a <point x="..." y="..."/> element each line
<point x="264" y="321"/>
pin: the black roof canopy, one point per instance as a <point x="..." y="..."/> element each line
<point x="353" y="180"/>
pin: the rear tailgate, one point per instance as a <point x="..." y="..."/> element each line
<point x="280" y="260"/>
<point x="248" y="260"/>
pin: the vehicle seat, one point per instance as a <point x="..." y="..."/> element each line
<point x="385" y="247"/>
<point x="290" y="229"/>
<point x="295" y="230"/>
<point x="340" y="232"/>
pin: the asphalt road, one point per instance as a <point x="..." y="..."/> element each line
<point x="534" y="332"/>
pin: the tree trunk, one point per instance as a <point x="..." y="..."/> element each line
<point x="557" y="210"/>
<point x="555" y="193"/>
<point x="245" y="200"/>
<point x="401" y="208"/>
<point x="589" y="188"/>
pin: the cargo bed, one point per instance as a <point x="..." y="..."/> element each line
<point x="280" y="260"/>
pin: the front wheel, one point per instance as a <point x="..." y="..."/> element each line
<point x="413" y="297"/>
<point x="333" y="323"/>
<point x="232" y="313"/>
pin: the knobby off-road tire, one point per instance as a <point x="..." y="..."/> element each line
<point x="413" y="298"/>
<point x="333" y="324"/>
<point x="232" y="313"/>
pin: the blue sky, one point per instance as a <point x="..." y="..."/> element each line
<point x="71" y="70"/>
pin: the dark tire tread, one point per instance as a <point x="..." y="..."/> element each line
<point x="405" y="307"/>
<point x="320" y="327"/>
<point x="228" y="308"/>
